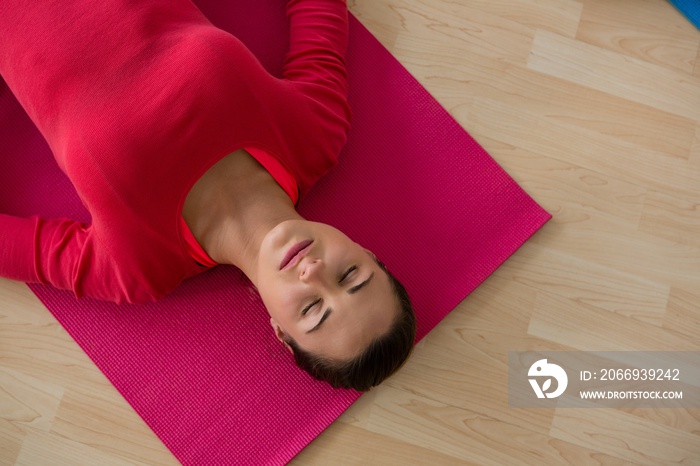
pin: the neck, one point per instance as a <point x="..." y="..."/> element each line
<point x="233" y="207"/>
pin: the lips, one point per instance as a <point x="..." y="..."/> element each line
<point x="295" y="254"/>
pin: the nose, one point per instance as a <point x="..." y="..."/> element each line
<point x="310" y="270"/>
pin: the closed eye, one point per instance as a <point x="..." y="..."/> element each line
<point x="352" y="290"/>
<point x="347" y="273"/>
<point x="310" y="306"/>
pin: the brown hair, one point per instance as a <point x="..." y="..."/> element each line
<point x="382" y="357"/>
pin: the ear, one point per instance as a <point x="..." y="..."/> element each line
<point x="279" y="333"/>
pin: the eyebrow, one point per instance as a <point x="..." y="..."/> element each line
<point x="352" y="290"/>
<point x="325" y="316"/>
<point x="359" y="286"/>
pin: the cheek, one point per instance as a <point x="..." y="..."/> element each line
<point x="280" y="301"/>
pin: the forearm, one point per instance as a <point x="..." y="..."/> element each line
<point x="318" y="42"/>
<point x="42" y="251"/>
<point x="17" y="248"/>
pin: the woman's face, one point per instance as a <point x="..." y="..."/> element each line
<point x="323" y="290"/>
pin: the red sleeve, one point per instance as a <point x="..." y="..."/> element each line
<point x="318" y="41"/>
<point x="17" y="248"/>
<point x="316" y="58"/>
<point x="65" y="254"/>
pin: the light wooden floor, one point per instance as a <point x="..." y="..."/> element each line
<point x="594" y="107"/>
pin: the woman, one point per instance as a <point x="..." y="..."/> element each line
<point x="188" y="154"/>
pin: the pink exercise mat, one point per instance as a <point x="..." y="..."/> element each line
<point x="202" y="367"/>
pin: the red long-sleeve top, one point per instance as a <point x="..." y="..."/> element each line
<point x="137" y="100"/>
